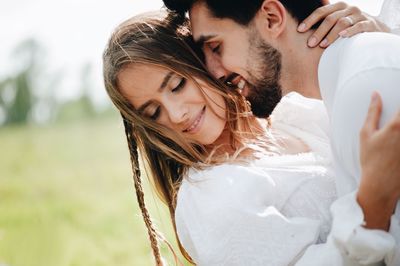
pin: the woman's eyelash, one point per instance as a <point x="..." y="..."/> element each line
<point x="180" y="85"/>
<point x="156" y="114"/>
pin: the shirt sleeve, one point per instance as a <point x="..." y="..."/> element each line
<point x="241" y="226"/>
<point x="348" y="114"/>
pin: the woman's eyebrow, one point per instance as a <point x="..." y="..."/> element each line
<point x="162" y="86"/>
<point x="165" y="81"/>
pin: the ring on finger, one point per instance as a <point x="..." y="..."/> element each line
<point x="350" y="20"/>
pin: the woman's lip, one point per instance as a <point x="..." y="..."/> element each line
<point x="196" y="125"/>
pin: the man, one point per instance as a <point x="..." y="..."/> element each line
<point x="256" y="45"/>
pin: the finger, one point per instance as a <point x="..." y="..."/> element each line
<point x="326" y="25"/>
<point x="395" y="122"/>
<point x="319" y="14"/>
<point x="362" y="26"/>
<point x="374" y="113"/>
<point x="341" y="25"/>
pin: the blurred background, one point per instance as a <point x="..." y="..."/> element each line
<point x="66" y="195"/>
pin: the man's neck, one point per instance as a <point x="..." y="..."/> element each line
<point x="299" y="63"/>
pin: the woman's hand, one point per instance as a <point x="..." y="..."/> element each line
<point x="380" y="167"/>
<point x="339" y="19"/>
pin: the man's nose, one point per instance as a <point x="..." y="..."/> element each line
<point x="215" y="66"/>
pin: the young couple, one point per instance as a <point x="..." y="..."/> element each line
<point x="243" y="190"/>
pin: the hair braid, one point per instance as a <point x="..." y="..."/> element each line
<point x="139" y="191"/>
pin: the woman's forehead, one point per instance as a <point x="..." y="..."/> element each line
<point x="135" y="80"/>
<point x="141" y="83"/>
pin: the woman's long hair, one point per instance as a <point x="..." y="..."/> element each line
<point x="165" y="41"/>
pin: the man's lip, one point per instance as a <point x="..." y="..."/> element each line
<point x="235" y="79"/>
<point x="196" y="120"/>
<point x="230" y="80"/>
<point x="243" y="88"/>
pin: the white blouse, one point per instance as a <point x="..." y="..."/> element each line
<point x="275" y="211"/>
<point x="268" y="212"/>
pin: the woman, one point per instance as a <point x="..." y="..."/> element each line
<point x="240" y="190"/>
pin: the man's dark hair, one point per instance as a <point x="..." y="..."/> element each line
<point x="243" y="11"/>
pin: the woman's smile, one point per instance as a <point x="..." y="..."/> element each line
<point x="195" y="125"/>
<point x="186" y="106"/>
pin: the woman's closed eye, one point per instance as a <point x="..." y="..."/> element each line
<point x="153" y="112"/>
<point x="156" y="113"/>
<point x="180" y="85"/>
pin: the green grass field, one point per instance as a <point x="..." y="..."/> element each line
<point x="67" y="198"/>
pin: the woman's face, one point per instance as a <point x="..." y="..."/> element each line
<point x="175" y="102"/>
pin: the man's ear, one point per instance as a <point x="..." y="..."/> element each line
<point x="271" y="18"/>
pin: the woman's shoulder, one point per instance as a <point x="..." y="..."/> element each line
<point x="226" y="189"/>
<point x="268" y="181"/>
<point x="221" y="183"/>
<point x="224" y="207"/>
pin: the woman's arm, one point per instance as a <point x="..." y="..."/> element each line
<point x="339" y="20"/>
<point x="379" y="189"/>
<point x="351" y="240"/>
<point x="372" y="159"/>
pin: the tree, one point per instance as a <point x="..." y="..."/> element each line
<point x="18" y="91"/>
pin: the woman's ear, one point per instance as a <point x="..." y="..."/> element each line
<point x="271" y="18"/>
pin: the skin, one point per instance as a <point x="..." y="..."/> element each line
<point x="179" y="105"/>
<point x="175" y="102"/>
<point x="226" y="55"/>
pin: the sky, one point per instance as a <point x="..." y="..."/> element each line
<point x="74" y="33"/>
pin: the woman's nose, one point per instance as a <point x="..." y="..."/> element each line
<point x="177" y="112"/>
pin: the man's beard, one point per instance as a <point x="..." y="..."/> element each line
<point x="264" y="66"/>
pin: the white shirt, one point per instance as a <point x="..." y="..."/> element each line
<point x="266" y="213"/>
<point x="349" y="71"/>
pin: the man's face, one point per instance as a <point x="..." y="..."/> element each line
<point x="238" y="55"/>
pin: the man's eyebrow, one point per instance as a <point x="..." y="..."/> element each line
<point x="162" y="86"/>
<point x="203" y="38"/>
